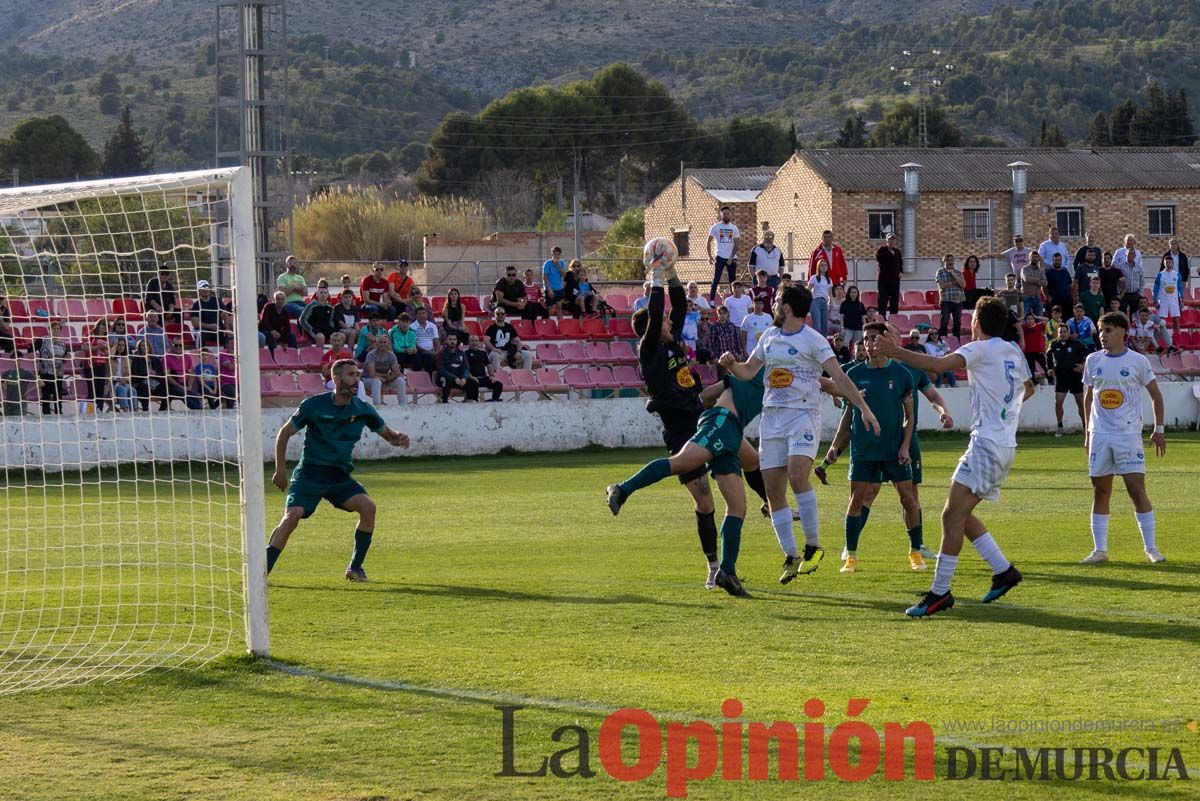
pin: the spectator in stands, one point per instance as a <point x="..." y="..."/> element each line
<point x="1052" y="324"/>
<point x="118" y="330"/>
<point x="820" y="285"/>
<point x="586" y="294"/>
<point x="316" y="321"/>
<point x="52" y="353"/>
<point x="276" y="324"/>
<point x="1144" y="333"/>
<point x="889" y="262"/>
<point x="1033" y="281"/>
<point x="8" y="340"/>
<point x="417" y="301"/>
<point x="644" y="299"/>
<point x="724" y="235"/>
<point x="971" y="288"/>
<point x="1058" y="283"/>
<point x="766" y="256"/>
<point x="506" y="345"/>
<point x="754" y="325"/>
<point x="1081" y="327"/>
<point x="1180" y="260"/>
<point x="737" y="302"/>
<point x="348" y="283"/>
<point x="454" y="314"/>
<point x="293" y="286"/>
<point x="1086" y="264"/>
<point x="533" y="290"/>
<point x="479" y="365"/>
<point x="833" y="256"/>
<point x="427" y="340"/>
<point x="376" y="291"/>
<point x="785" y="281"/>
<point x="176" y="371"/>
<point x="1018" y="256"/>
<point x="1052" y="245"/>
<point x="1110" y="279"/>
<point x="206" y="316"/>
<point x="853" y="312"/>
<point x="840" y="351"/>
<point x="120" y="375"/>
<point x="400" y="285"/>
<point x="1092" y="299"/>
<point x="203" y="384"/>
<point x="913" y="342"/>
<point x="338" y="349"/>
<point x="453" y="372"/>
<point x="346" y="317"/>
<point x="375" y="327"/>
<point x="694" y="296"/>
<point x="1162" y="330"/>
<point x="936" y="346"/>
<point x="836" y="298"/>
<point x="553" y="277"/>
<point x="156" y="342"/>
<point x="404" y="343"/>
<point x="691" y="331"/>
<point x="1169" y="288"/>
<point x="141" y="376"/>
<point x="1010" y="294"/>
<point x="723" y="336"/>
<point x="383" y="373"/>
<point x="510" y="294"/>
<point x="162" y="297"/>
<point x="761" y="291"/>
<point x="1128" y="259"/>
<point x="952" y="295"/>
<point x="96" y="368"/>
<point x="1034" y="344"/>
<point x="227" y="376"/>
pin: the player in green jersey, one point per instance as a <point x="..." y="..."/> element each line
<point x="334" y="422"/>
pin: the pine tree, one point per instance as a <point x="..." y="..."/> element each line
<point x="1120" y="121"/>
<point x="124" y="152"/>
<point x="1098" y="135"/>
<point x="1149" y="126"/>
<point x="1181" y="130"/>
<point x="793" y="142"/>
<point x="1052" y="136"/>
<point x="853" y="133"/>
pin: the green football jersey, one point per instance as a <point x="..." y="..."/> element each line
<point x="747" y="397"/>
<point x="884" y="389"/>
<point x="920" y="381"/>
<point x="333" y="431"/>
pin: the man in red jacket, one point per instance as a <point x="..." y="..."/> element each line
<point x="833" y="254"/>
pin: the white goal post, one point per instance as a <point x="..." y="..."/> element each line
<point x="132" y="508"/>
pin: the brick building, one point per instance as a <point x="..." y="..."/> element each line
<point x="690" y="204"/>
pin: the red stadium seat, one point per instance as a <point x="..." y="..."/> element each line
<point x="419" y="383"/>
<point x="573" y="353"/>
<point x="622" y="327"/>
<point x="264" y="385"/>
<point x="265" y="360"/>
<point x="473" y="328"/>
<point x="598" y="352"/>
<point x="870" y="298"/>
<point x="18" y="310"/>
<point x="1192" y="297"/>
<point x="593" y="328"/>
<point x="472" y="307"/>
<point x="548" y="353"/>
<point x="912" y="299"/>
<point x="933" y="299"/>
<point x="288" y="359"/>
<point x="549" y="380"/>
<point x="964" y="320"/>
<point x="577" y="378"/>
<point x="1187" y="340"/>
<point x="570" y="328"/>
<point x="628" y="377"/>
<point x="601" y="376"/>
<point x="310" y="358"/>
<point x="1190" y="318"/>
<point x="437" y="303"/>
<point x="97" y="308"/>
<point x="619" y="302"/>
<point x="129" y="308"/>
<point x="901" y="322"/>
<point x="526" y="330"/>
<point x="70" y="309"/>
<point x="920" y="318"/>
<point x="622" y="352"/>
<point x="547" y="329"/>
<point x="311" y="383"/>
<point x="284" y="385"/>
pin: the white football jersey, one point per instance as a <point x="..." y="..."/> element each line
<point x="1116" y="383"/>
<point x="997" y="372"/>
<point x="792" y="365"/>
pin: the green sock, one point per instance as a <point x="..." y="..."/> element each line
<point x="362" y="542"/>
<point x="272" y="556"/>
<point x="731" y="543"/>
<point x="854" y="524"/>
<point x="866" y="512"/>
<point x="652" y="473"/>
<point x="915" y="538"/>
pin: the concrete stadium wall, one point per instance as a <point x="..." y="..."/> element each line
<point x="451" y="430"/>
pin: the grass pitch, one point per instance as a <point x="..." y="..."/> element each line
<point x="505" y="580"/>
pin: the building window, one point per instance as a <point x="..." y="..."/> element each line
<point x="880" y="223"/>
<point x="976" y="224"/>
<point x="1162" y="221"/>
<point x="1069" y="222"/>
<point x="681" y="243"/>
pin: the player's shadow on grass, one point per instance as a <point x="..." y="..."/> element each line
<point x="1103" y="578"/>
<point x="452" y="591"/>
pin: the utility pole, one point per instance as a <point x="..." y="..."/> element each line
<point x="924" y="77"/>
<point x="578" y="237"/>
<point x="558" y="193"/>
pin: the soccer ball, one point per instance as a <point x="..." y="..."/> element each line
<point x="659" y="252"/>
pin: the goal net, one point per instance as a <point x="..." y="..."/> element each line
<point x="131" y="443"/>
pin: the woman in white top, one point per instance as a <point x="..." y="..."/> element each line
<point x="694" y="296"/>
<point x="835" y="309"/>
<point x="937" y="347"/>
<point x="820" y="285"/>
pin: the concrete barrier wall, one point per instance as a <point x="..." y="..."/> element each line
<point x="448" y="430"/>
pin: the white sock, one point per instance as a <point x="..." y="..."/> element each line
<point x="990" y="551"/>
<point x="1100" y="532"/>
<point x="943" y="572"/>
<point x="782" y="522"/>
<point x="1145" y="521"/>
<point x="806" y="505"/>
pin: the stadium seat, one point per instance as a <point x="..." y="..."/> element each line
<point x="622" y="352"/>
<point x="288" y="359"/>
<point x="920" y="318"/>
<point x="546" y="329"/>
<point x="437" y="303"/>
<point x="549" y="353"/>
<point x="522" y="381"/>
<point x="602" y="378"/>
<point x="870" y="298"/>
<point x="901" y="321"/>
<point x="570" y="328"/>
<point x="473" y="328"/>
<point x="960" y="375"/>
<point x="628" y="377"/>
<point x="1190" y="318"/>
<point x="593" y="328"/>
<point x="707" y="373"/>
<point x="419" y="383"/>
<point x="265" y="360"/>
<point x="573" y="353"/>
<point x="310" y="358"/>
<point x="472" y="307"/>
<point x="549" y="380"/>
<point x="18" y="310"/>
<point x="39" y="308"/>
<point x="1173" y="363"/>
<point x="622" y="327"/>
<point x="311" y="383"/>
<point x="912" y="299"/>
<point x="129" y="308"/>
<point x="97" y="308"/>
<point x="525" y="330"/>
<point x="598" y="352"/>
<point x="283" y="385"/>
<point x="1191" y="363"/>
<point x="8" y="364"/>
<point x="964" y="320"/>
<point x="1192" y="297"/>
<point x="933" y="299"/>
<point x="619" y="302"/>
<point x="1187" y="340"/>
<point x="577" y="378"/>
<point x="71" y="309"/>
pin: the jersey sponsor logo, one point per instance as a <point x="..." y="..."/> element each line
<point x="1170" y="289"/>
<point x="780" y="378"/>
<point x="1111" y="398"/>
<point x="684" y="378"/>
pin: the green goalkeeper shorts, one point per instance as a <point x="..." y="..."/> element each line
<point x="311" y="485"/>
<point x="720" y="432"/>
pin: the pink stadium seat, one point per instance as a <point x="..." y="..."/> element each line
<point x="901" y="322"/>
<point x="1191" y="363"/>
<point x="8" y="364"/>
<point x="310" y="358"/>
<point x="870" y="298"/>
<point x="523" y="381"/>
<point x="265" y="360"/>
<point x="546" y="329"/>
<point x="70" y="309"/>
<point x="919" y="318"/>
<point x="288" y="359"/>
<point x="570" y="328"/>
<point x="628" y="377"/>
<point x="1192" y="297"/>
<point x="1173" y="363"/>
<point x="622" y="352"/>
<point x="622" y="327"/>
<point x="573" y="353"/>
<point x="548" y="353"/>
<point x="593" y="328"/>
<point x="965" y="321"/>
<point x="598" y="352"/>
<point x="283" y="385"/>
<point x="619" y="301"/>
<point x="419" y="382"/>
<point x="525" y="330"/>
<point x="437" y="303"/>
<point x="601" y="376"/>
<point x="39" y="308"/>
<point x="311" y="383"/>
<point x="96" y="308"/>
<point x="577" y="378"/>
<point x="912" y="299"/>
<point x="549" y="380"/>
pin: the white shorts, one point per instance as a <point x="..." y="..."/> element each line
<point x="784" y="433"/>
<point x="983" y="468"/>
<point x="1168" y="305"/>
<point x="1116" y="454"/>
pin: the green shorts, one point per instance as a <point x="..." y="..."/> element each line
<point x="312" y="484"/>
<point x="914" y="453"/>
<point x="720" y="432"/>
<point x="877" y="472"/>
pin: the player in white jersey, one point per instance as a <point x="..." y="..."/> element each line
<point x="794" y="357"/>
<point x="1112" y="404"/>
<point x="1000" y="383"/>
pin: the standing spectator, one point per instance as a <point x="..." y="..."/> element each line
<point x="206" y="316"/>
<point x="453" y="372"/>
<point x="416" y="302"/>
<point x="399" y="287"/>
<point x="853" y="312"/>
<point x="1180" y="260"/>
<point x="204" y="384"/>
<point x="504" y="340"/>
<point x="737" y="303"/>
<point x="293" y="286"/>
<point x="766" y="256"/>
<point x="1033" y="281"/>
<point x="383" y="373"/>
<point x="643" y="300"/>
<point x="479" y="365"/>
<point x="453" y="314"/>
<point x="338" y="349"/>
<point x="1110" y="280"/>
<point x="346" y="316"/>
<point x="553" y="274"/>
<point x="1018" y="256"/>
<point x="1066" y="359"/>
<point x="1092" y="300"/>
<point x="162" y="297"/>
<point x="1010" y="294"/>
<point x="1053" y="324"/>
<point x="276" y="324"/>
<point x="723" y="336"/>
<point x="427" y="340"/>
<point x="1052" y="245"/>
<point x="1034" y="345"/>
<point x="754" y="325"/>
<point x="1081" y="327"/>
<point x="836" y="298"/>
<point x="833" y="255"/>
<point x="761" y="291"/>
<point x="510" y="294"/>
<point x="970" y="274"/>
<point x="1128" y="259"/>
<point x="8" y="340"/>
<point x="725" y="235"/>
<point x="1059" y="282"/>
<point x="694" y="296"/>
<point x="376" y="292"/>
<point x="141" y="375"/>
<point x="121" y="376"/>
<point x="96" y="365"/>
<point x="937" y="347"/>
<point x="691" y="331"/>
<point x="52" y="353"/>
<point x="952" y="296"/>
<point x="374" y="329"/>
<point x="820" y="284"/>
<point x="317" y="319"/>
<point x="1168" y="292"/>
<point x="1086" y="263"/>
<point x="889" y="262"/>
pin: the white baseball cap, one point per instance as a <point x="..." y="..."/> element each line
<point x="202" y="285"/>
